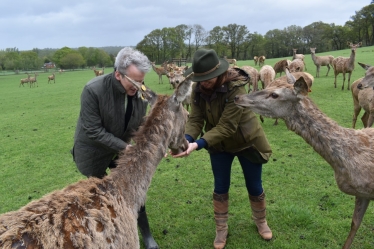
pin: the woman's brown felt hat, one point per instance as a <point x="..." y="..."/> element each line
<point x="206" y="65"/>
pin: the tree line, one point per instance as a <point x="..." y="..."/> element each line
<point x="64" y="58"/>
<point x="233" y="41"/>
<point x="236" y="41"/>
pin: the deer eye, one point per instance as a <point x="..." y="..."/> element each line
<point x="274" y="95"/>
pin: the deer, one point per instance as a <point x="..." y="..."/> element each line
<point x="51" y="77"/>
<point x="160" y="71"/>
<point x="255" y="59"/>
<point x="25" y="80"/>
<point x="175" y="76"/>
<point x="298" y="56"/>
<point x="102" y="213"/>
<point x="349" y="152"/>
<point x="321" y="61"/>
<point x="33" y="80"/>
<point x="261" y="60"/>
<point x="230" y="61"/>
<point x="345" y="64"/>
<point x="363" y="97"/>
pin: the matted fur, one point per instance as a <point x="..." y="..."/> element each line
<point x="102" y="213"/>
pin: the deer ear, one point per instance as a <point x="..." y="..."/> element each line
<point x="144" y="92"/>
<point x="290" y="78"/>
<point x="183" y="89"/>
<point x="301" y="88"/>
<point x="364" y="66"/>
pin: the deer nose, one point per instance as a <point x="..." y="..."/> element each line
<point x="359" y="86"/>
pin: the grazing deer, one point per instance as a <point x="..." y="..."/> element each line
<point x="26" y="80"/>
<point x="159" y="70"/>
<point x="345" y="64"/>
<point x="102" y="213"/>
<point x="51" y="77"/>
<point x="349" y="152"/>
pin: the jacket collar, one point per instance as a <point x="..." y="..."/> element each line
<point x="222" y="89"/>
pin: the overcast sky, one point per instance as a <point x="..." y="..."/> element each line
<point x="28" y="24"/>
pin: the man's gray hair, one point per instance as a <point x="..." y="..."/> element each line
<point x="130" y="56"/>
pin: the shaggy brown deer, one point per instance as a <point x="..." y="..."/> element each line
<point x="349" y="152"/>
<point x="102" y="213"/>
<point x="363" y="97"/>
<point x="345" y="64"/>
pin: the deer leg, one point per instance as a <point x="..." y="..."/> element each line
<point x="317" y="74"/>
<point x="335" y="79"/>
<point x="349" y="79"/>
<point x="370" y="120"/>
<point x="361" y="205"/>
<point x="364" y="119"/>
<point x="356" y="112"/>
<point x="276" y="122"/>
<point x="343" y="81"/>
<point x="328" y="69"/>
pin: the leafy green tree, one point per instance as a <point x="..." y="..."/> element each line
<point x="30" y="60"/>
<point x="215" y="40"/>
<point x="72" y="60"/>
<point x="61" y="53"/>
<point x="234" y="36"/>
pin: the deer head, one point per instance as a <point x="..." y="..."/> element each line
<point x="368" y="80"/>
<point x="174" y="111"/>
<point x="274" y="101"/>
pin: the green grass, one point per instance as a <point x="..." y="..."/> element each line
<point x="305" y="207"/>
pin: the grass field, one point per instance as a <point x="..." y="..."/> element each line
<point x="305" y="207"/>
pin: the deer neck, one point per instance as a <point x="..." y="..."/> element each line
<point x="138" y="164"/>
<point x="352" y="59"/>
<point x="313" y="57"/>
<point x="321" y="132"/>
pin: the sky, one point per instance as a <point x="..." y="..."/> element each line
<point x="28" y="24"/>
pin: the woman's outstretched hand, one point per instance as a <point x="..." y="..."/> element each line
<point x="191" y="147"/>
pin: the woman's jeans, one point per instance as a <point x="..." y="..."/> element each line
<point x="221" y="165"/>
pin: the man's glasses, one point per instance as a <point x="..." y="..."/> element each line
<point x="131" y="80"/>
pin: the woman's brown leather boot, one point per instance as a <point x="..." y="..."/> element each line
<point x="258" y="206"/>
<point x="221" y="209"/>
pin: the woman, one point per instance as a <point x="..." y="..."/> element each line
<point x="229" y="132"/>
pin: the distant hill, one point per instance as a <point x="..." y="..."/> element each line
<point x="111" y="49"/>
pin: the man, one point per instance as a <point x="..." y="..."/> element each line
<point x="110" y="112"/>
